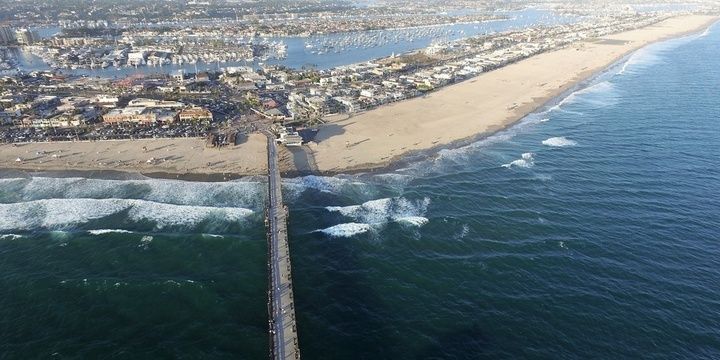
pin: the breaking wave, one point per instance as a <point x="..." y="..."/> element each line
<point x="653" y="54"/>
<point x="242" y="193"/>
<point x="375" y="214"/>
<point x="58" y="214"/>
<point x="294" y="187"/>
<point x="600" y="94"/>
<point x="109" y="231"/>
<point x="413" y="220"/>
<point x="559" y="141"/>
<point x="382" y="211"/>
<point x="346" y="230"/>
<point x="526" y="161"/>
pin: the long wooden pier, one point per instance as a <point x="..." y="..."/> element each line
<point x="281" y="305"/>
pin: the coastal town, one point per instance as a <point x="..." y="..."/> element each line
<point x="359" y="179"/>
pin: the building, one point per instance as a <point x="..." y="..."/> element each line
<point x="140" y="115"/>
<point x="195" y="114"/>
<point x="180" y="75"/>
<point x="147" y="111"/>
<point x="290" y="139"/>
<point x="26" y="37"/>
<point x="106" y="101"/>
<point x="202" y="76"/>
<point x="135" y="114"/>
<point x="287" y="135"/>
<point x="143" y="102"/>
<point x="74" y="41"/>
<point x="7" y="35"/>
<point x="136" y="58"/>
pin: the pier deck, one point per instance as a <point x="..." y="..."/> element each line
<point x="283" y="329"/>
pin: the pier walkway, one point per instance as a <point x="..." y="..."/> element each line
<point x="281" y="305"/>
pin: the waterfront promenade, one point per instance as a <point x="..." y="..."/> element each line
<point x="281" y="304"/>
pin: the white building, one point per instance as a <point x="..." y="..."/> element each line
<point x="136" y="58"/>
<point x="26" y="37"/>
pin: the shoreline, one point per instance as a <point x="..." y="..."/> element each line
<point x="424" y="154"/>
<point x="11" y="173"/>
<point x="253" y="167"/>
<point x="178" y="158"/>
<point x="511" y="118"/>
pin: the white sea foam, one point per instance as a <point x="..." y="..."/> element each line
<point x="706" y="32"/>
<point x="600" y="94"/>
<point x="462" y="154"/>
<point x="166" y="215"/>
<point x="393" y="178"/>
<point x="346" y="230"/>
<point x="242" y="193"/>
<point x="10" y="237"/>
<point x="653" y="54"/>
<point x="109" y="231"/>
<point x="294" y="187"/>
<point x="55" y="213"/>
<point x="145" y="242"/>
<point x="526" y="161"/>
<point x="463" y="232"/>
<point x="644" y="57"/>
<point x="67" y="213"/>
<point x="447" y="159"/>
<point x="213" y="236"/>
<point x="375" y="214"/>
<point x="413" y="220"/>
<point x="559" y="141"/>
<point x="381" y="211"/>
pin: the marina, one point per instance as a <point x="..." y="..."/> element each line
<point x="322" y="51"/>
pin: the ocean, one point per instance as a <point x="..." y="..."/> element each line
<point x="588" y="230"/>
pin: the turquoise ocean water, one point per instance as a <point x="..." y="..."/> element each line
<point x="589" y="230"/>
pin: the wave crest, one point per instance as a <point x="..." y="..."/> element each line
<point x="559" y="141"/>
<point x="57" y="214"/>
<point x="382" y="211"/>
<point x="108" y="231"/>
<point x="243" y="193"/>
<point x="346" y="230"/>
<point x="527" y="160"/>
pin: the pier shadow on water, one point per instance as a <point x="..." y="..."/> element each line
<point x="340" y="316"/>
<point x="349" y="300"/>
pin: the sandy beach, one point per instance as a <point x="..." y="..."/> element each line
<point x="167" y="156"/>
<point x="479" y="106"/>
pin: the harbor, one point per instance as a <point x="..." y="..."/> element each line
<point x="322" y="51"/>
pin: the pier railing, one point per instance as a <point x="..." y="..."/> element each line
<point x="281" y="304"/>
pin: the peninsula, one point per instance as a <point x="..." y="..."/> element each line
<point x="486" y="104"/>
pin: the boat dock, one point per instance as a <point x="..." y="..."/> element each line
<point x="281" y="304"/>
